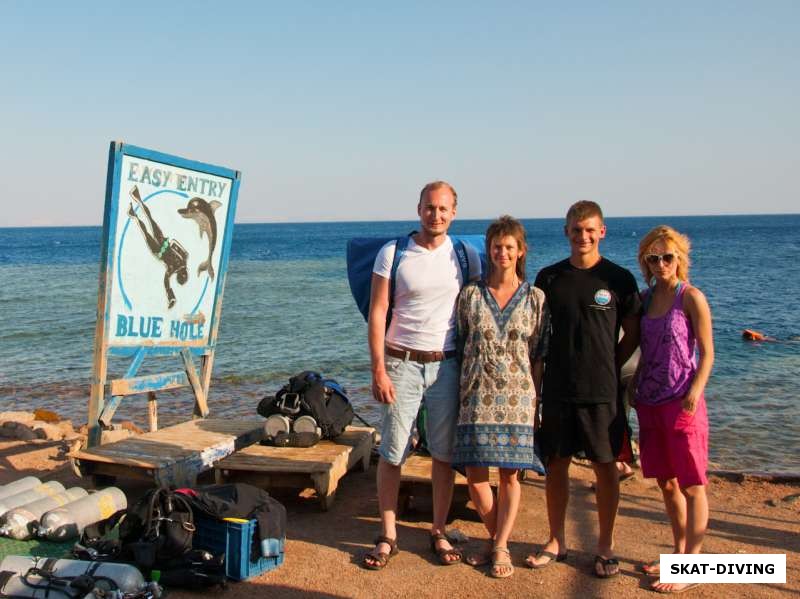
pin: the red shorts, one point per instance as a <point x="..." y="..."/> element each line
<point x="674" y="443"/>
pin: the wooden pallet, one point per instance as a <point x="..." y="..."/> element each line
<point x="172" y="456"/>
<point x="416" y="481"/>
<point x="319" y="467"/>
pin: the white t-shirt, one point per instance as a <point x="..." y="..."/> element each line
<point x="426" y="288"/>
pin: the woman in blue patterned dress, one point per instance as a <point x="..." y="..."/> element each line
<point x="501" y="324"/>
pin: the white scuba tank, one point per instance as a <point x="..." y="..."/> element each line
<point x="125" y="577"/>
<point x="277" y="423"/>
<point x="68" y="521"/>
<point x="306" y="424"/>
<point x="30" y="495"/>
<point x="23" y="484"/>
<point x="20" y="523"/>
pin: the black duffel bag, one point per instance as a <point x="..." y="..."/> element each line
<point x="309" y="394"/>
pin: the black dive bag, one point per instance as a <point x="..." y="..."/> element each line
<point x="158" y="528"/>
<point x="309" y="394"/>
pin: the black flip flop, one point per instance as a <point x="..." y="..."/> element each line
<point x="605" y="561"/>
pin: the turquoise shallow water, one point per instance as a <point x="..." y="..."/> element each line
<point x="288" y="308"/>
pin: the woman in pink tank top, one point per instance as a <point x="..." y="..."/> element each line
<point x="670" y="384"/>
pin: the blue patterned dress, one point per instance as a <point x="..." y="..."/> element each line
<point x="495" y="420"/>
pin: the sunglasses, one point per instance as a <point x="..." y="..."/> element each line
<point x="654" y="259"/>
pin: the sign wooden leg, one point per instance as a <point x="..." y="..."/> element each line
<point x="208" y="364"/>
<point x="95" y="407"/>
<point x="200" y="405"/>
<point x="152" y="411"/>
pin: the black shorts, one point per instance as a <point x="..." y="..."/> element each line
<point x="595" y="430"/>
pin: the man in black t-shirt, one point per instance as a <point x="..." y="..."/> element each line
<point x="590" y="300"/>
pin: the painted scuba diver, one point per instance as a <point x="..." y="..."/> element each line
<point x="202" y="213"/>
<point x="169" y="251"/>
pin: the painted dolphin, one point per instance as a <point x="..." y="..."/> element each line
<point x="202" y="213"/>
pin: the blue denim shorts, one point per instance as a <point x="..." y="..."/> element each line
<point x="435" y="383"/>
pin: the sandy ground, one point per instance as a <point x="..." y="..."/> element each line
<point x="323" y="549"/>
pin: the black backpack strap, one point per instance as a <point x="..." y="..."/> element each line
<point x="151" y="523"/>
<point x="181" y="500"/>
<point x="48" y="565"/>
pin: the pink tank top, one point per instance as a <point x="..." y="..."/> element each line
<point x="668" y="362"/>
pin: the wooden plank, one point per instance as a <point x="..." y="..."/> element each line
<point x="320" y="457"/>
<point x="153" y="382"/>
<point x="161" y="351"/>
<point x="126" y="461"/>
<point x="113" y="403"/>
<point x="115" y="470"/>
<point x="200" y="405"/>
<point x="362" y="452"/>
<point x="417" y="469"/>
<point x="262" y="480"/>
<point x="320" y="466"/>
<point x="177" y="452"/>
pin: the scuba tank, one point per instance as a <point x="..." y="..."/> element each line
<point x="21" y="522"/>
<point x="31" y="495"/>
<point x="68" y="521"/>
<point x="23" y="484"/>
<point x="45" y="575"/>
<point x="306" y="424"/>
<point x="277" y="423"/>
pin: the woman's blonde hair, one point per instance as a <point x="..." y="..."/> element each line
<point x="677" y="242"/>
<point x="503" y="226"/>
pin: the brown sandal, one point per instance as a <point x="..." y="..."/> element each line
<point x="381" y="559"/>
<point x="443" y="554"/>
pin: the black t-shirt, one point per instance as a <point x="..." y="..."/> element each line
<point x="587" y="307"/>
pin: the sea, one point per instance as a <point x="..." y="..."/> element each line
<point x="287" y="308"/>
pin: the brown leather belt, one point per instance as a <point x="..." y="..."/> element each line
<point x="423" y="357"/>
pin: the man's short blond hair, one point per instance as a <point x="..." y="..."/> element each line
<point x="433" y="186"/>
<point x="582" y="210"/>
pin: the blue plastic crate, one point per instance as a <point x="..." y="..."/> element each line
<point x="235" y="540"/>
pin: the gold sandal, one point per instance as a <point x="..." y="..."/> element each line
<point x="501" y="566"/>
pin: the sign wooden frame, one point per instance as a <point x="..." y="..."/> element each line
<point x="139" y="170"/>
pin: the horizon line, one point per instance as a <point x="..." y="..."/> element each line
<point x="405" y="220"/>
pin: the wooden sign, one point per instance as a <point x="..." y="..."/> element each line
<point x="167" y="232"/>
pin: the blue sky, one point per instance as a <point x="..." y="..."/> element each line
<point x="342" y="111"/>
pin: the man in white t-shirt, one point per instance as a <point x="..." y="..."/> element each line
<point x="413" y="360"/>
